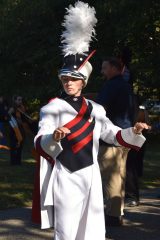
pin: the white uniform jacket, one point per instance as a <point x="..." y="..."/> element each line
<point x="56" y="114"/>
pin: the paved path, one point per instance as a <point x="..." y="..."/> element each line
<point x="141" y="223"/>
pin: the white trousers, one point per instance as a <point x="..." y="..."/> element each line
<point x="78" y="203"/>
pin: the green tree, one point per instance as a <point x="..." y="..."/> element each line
<point x="30" y="38"/>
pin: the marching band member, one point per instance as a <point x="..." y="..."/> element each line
<point x="16" y="132"/>
<point x="68" y="139"/>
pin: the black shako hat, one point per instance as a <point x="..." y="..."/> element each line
<point x="77" y="66"/>
<point x="79" y="23"/>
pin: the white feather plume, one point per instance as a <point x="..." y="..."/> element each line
<point x="79" y="23"/>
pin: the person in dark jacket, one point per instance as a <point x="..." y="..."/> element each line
<point x="116" y="97"/>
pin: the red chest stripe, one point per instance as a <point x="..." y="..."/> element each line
<point x="78" y="146"/>
<point x="79" y="116"/>
<point x="78" y="132"/>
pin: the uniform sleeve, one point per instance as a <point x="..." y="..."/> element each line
<point x="120" y="137"/>
<point x="44" y="143"/>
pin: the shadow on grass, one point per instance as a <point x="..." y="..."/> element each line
<point x="16" y="224"/>
<point x="16" y="182"/>
<point x="151" y="177"/>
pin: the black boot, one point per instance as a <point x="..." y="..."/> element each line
<point x="112" y="221"/>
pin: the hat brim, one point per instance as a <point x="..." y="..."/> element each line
<point x="69" y="73"/>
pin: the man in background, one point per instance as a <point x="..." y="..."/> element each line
<point x="116" y="97"/>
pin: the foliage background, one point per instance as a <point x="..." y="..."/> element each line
<point x="30" y="38"/>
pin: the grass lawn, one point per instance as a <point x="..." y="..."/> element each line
<point x="151" y="176"/>
<point x="16" y="182"/>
